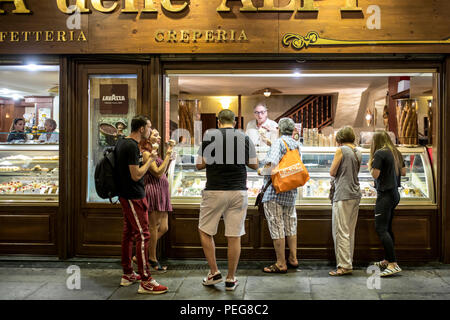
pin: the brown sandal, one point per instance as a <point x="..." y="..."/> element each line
<point x="340" y="272"/>
<point x="274" y="269"/>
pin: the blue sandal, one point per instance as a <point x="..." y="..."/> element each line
<point x="157" y="266"/>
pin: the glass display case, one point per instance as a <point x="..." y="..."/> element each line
<point x="417" y="186"/>
<point x="29" y="172"/>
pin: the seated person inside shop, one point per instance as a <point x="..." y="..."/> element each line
<point x="262" y="131"/>
<point x="17" y="131"/>
<point x="50" y="136"/>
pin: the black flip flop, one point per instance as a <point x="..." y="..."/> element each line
<point x="157" y="266"/>
<point x="291" y="266"/>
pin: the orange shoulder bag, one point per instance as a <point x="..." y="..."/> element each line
<point x="290" y="173"/>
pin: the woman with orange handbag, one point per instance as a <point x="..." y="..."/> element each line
<point x="279" y="209"/>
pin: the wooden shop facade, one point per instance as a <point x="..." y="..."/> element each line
<point x="91" y="65"/>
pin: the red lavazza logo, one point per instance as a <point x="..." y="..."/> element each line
<point x="114" y="98"/>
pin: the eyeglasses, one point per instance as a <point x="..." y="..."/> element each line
<point x="259" y="112"/>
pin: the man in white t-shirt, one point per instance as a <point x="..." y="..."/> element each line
<point x="262" y="131"/>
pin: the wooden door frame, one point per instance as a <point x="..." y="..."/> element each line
<point x="444" y="130"/>
<point x="154" y="69"/>
<point x="80" y="139"/>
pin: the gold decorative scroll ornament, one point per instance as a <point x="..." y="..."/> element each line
<point x="299" y="42"/>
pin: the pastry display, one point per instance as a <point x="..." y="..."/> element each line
<point x="368" y="190"/>
<point x="253" y="187"/>
<point x="408" y="190"/>
<point x="407" y="122"/>
<point x="317" y="188"/>
<point x="189" y="186"/>
<point x="30" y="173"/>
<point x="18" y="157"/>
<point x="18" y="187"/>
<point x="187" y="183"/>
<point x="45" y="158"/>
<point x="9" y="169"/>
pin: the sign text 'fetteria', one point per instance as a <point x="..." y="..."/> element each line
<point x="131" y="6"/>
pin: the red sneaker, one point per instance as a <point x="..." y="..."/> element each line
<point x="129" y="279"/>
<point x="152" y="287"/>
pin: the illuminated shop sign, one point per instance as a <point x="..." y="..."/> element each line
<point x="130" y="6"/>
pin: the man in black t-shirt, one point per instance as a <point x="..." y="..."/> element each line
<point x="224" y="153"/>
<point x="130" y="172"/>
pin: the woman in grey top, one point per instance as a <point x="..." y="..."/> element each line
<point x="344" y="170"/>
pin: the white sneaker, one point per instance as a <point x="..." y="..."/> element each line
<point x="212" y="279"/>
<point x="230" y="285"/>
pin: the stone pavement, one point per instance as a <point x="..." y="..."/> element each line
<point x="44" y="280"/>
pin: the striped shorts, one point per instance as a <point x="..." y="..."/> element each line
<point x="282" y="220"/>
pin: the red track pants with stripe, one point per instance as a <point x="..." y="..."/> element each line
<point x="135" y="226"/>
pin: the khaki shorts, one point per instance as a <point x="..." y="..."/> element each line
<point x="232" y="205"/>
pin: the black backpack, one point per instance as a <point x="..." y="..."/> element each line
<point x="105" y="176"/>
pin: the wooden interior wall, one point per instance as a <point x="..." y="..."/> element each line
<point x="6" y="118"/>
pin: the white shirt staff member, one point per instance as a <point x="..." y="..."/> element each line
<point x="262" y="131"/>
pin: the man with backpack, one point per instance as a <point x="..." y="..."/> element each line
<point x="130" y="172"/>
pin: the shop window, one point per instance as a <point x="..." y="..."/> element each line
<point x="320" y="103"/>
<point x="29" y="133"/>
<point x="112" y="105"/>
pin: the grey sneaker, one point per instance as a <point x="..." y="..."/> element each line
<point x="230" y="285"/>
<point x="212" y="279"/>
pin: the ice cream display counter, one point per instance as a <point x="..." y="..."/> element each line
<point x="417" y="187"/>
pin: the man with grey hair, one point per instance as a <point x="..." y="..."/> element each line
<point x="225" y="153"/>
<point x="262" y="131"/>
<point x="279" y="209"/>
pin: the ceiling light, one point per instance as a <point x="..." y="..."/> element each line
<point x="225" y="103"/>
<point x="32" y="67"/>
<point x="16" y="97"/>
<point x="4" y="91"/>
<point x="267" y="93"/>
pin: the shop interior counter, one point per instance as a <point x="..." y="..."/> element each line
<point x="29" y="173"/>
<point x="417" y="187"/>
